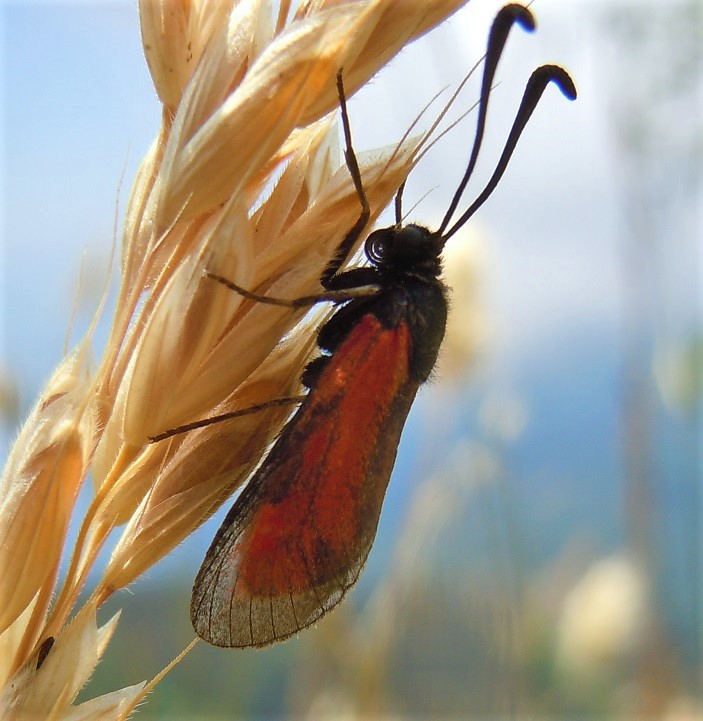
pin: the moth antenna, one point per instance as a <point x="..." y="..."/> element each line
<point x="420" y="150"/>
<point x="506" y="18"/>
<point x="534" y="89"/>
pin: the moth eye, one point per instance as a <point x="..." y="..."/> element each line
<point x="378" y="245"/>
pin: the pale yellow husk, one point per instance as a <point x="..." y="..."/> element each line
<point x="243" y="91"/>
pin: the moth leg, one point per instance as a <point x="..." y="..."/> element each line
<point x="342" y="252"/>
<point x="330" y="296"/>
<point x="274" y="402"/>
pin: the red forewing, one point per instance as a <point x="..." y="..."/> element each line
<point x="298" y="536"/>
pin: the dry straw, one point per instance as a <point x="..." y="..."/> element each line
<point x="246" y="91"/>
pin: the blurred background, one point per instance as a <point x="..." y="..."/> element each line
<point x="540" y="549"/>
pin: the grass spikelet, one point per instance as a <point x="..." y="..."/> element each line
<point x="243" y="93"/>
<point x="38" y="490"/>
